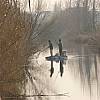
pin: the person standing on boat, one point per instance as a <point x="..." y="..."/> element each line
<point x="51" y="48"/>
<point x="60" y="47"/>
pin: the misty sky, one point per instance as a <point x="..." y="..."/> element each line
<point x="49" y="3"/>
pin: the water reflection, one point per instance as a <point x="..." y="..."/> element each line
<point x="79" y="81"/>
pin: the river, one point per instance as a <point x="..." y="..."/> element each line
<point x="79" y="81"/>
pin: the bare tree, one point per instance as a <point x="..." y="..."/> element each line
<point x="18" y="29"/>
<point x="94" y="15"/>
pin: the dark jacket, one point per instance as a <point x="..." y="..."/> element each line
<point x="50" y="45"/>
<point x="60" y="46"/>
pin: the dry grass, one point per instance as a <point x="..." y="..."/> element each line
<point x="13" y="46"/>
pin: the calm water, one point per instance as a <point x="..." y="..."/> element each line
<point x="79" y="81"/>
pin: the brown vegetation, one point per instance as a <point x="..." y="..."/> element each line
<point x="13" y="46"/>
<point x="19" y="32"/>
